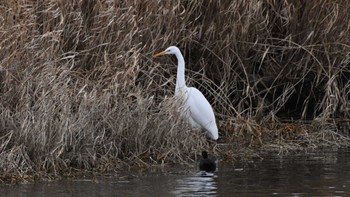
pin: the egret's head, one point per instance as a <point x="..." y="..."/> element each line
<point x="169" y="50"/>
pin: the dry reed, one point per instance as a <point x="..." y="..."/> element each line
<point x="79" y="89"/>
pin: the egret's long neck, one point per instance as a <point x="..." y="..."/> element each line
<point x="180" y="78"/>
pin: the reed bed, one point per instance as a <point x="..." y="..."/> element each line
<point x="80" y="90"/>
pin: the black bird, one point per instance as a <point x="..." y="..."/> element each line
<point x="206" y="164"/>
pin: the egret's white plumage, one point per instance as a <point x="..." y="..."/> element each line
<point x="197" y="110"/>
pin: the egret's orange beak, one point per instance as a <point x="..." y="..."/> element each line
<point x="159" y="54"/>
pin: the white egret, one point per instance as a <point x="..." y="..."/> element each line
<point x="197" y="110"/>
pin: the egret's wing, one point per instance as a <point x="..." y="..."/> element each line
<point x="201" y="111"/>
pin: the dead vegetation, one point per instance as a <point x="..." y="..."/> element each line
<point x="79" y="89"/>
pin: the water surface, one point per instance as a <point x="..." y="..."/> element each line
<point x="325" y="173"/>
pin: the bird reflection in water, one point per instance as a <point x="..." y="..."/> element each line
<point x="200" y="184"/>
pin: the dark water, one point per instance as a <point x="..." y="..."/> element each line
<point x="324" y="173"/>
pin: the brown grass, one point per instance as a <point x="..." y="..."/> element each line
<point x="79" y="89"/>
